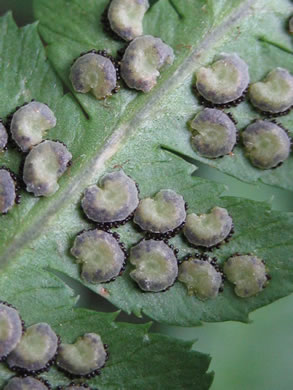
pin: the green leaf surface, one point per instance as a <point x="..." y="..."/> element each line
<point x="137" y="359"/>
<point x="145" y="134"/>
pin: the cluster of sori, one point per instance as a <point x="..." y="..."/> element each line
<point x="221" y="85"/>
<point x="98" y="72"/>
<point x="30" y="351"/>
<point x="115" y="201"/>
<point x="224" y="84"/>
<point x="45" y="160"/>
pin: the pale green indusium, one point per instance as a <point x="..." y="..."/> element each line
<point x="248" y="273"/>
<point x="225" y="80"/>
<point x="266" y="144"/>
<point x="37" y="347"/>
<point x="10" y="329"/>
<point x="275" y="93"/>
<point x="100" y="255"/>
<point x="156" y="267"/>
<point x="126" y="17"/>
<point x="142" y="60"/>
<point x="28" y="383"/>
<point x="200" y="277"/>
<point x="3" y="137"/>
<point x="213" y="133"/>
<point x="7" y="191"/>
<point x="113" y="199"/>
<point x="43" y="166"/>
<point x="209" y="229"/>
<point x="93" y="73"/>
<point x="162" y="213"/>
<point x="29" y="124"/>
<point x="85" y="356"/>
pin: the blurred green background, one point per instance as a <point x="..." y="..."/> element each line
<point x="257" y="356"/>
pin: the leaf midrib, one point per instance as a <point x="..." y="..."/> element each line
<point x="96" y="163"/>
